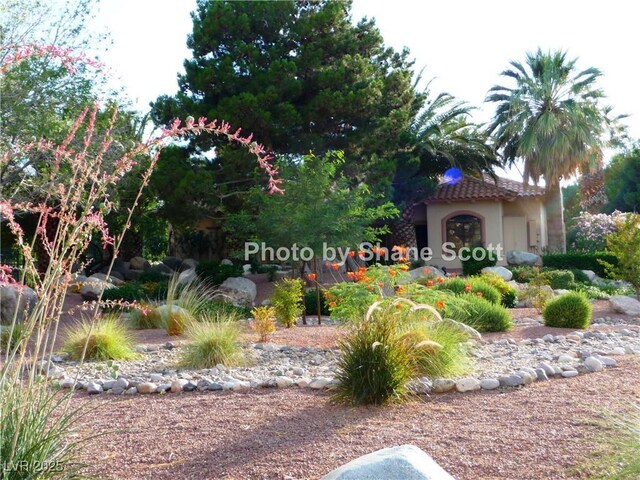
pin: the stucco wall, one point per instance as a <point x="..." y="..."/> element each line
<point x="532" y="209"/>
<point x="490" y="211"/>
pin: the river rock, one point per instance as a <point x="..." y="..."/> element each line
<point x="516" y="257"/>
<point x="625" y="305"/>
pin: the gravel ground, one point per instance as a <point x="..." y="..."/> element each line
<point x="543" y="431"/>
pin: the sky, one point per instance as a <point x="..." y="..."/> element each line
<point x="462" y="45"/>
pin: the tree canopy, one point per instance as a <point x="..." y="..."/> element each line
<point x="622" y="181"/>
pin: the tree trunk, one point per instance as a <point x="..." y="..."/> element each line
<point x="403" y="230"/>
<point x="555" y="219"/>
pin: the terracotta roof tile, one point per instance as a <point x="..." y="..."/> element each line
<point x="473" y="188"/>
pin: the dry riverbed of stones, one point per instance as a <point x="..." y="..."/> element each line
<point x="496" y="363"/>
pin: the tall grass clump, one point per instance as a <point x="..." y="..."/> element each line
<point x="192" y="296"/>
<point x="68" y="192"/>
<point x="618" y="457"/>
<point x="211" y="342"/>
<point x="398" y="340"/>
<point x="509" y="295"/>
<point x="101" y="338"/>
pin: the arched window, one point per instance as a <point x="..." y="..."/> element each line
<point x="464" y="231"/>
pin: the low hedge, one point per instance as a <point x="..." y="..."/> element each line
<point x="215" y="273"/>
<point x="580" y="261"/>
<point x="471" y="266"/>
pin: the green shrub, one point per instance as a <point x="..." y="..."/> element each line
<point x="103" y="338"/>
<point x="270" y="270"/>
<point x="348" y="301"/>
<point x="459" y="286"/>
<point x="472" y="266"/>
<point x="592" y="292"/>
<point x="151" y="276"/>
<point x="509" y="295"/>
<point x="214" y="273"/>
<point x="374" y="366"/>
<point x="311" y="304"/>
<point x="523" y="273"/>
<point x="211" y="342"/>
<point x="580" y="261"/>
<point x="217" y="309"/>
<point x="560" y="279"/>
<point x="156" y="290"/>
<point x="580" y="276"/>
<point x="144" y="319"/>
<point x="12" y="336"/>
<point x="128" y="291"/>
<point x="571" y="310"/>
<point x="287" y="300"/>
<point x="478" y="313"/>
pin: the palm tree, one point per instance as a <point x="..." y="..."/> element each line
<point x="554" y="120"/>
<point x="441" y="137"/>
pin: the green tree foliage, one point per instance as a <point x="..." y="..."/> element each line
<point x="320" y="206"/>
<point x="302" y="78"/>
<point x="624" y="244"/>
<point x="622" y="181"/>
<point x="442" y="136"/>
<point x="553" y="119"/>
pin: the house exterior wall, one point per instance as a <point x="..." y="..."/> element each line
<point x="490" y="212"/>
<point x="533" y="210"/>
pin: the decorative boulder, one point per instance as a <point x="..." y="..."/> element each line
<point x="173" y="263"/>
<point x="139" y="263"/>
<point x="92" y="289"/>
<point x="160" y="268"/>
<point x="14" y="298"/>
<point x="188" y="276"/>
<point x="591" y="275"/>
<point x="423" y="272"/>
<point x="104" y="278"/>
<point x="165" y="310"/>
<point x="625" y="305"/>
<point x="238" y="290"/>
<point x="114" y="273"/>
<point x="188" y="263"/>
<point x="406" y="462"/>
<point x="132" y="274"/>
<point x="505" y="273"/>
<point x="226" y="261"/>
<point x="516" y="257"/>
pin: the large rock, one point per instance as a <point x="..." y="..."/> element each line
<point x="173" y="263"/>
<point x="160" y="268"/>
<point x="421" y="272"/>
<point x="16" y="300"/>
<point x="624" y="304"/>
<point x="188" y="263"/>
<point x="406" y="462"/>
<point x="165" y="310"/>
<point x="132" y="274"/>
<point x="239" y="291"/>
<point x="114" y="273"/>
<point x="517" y="257"/>
<point x="139" y="263"/>
<point x="505" y="273"/>
<point x="105" y="278"/>
<point x="188" y="276"/>
<point x="591" y="275"/>
<point x="92" y="289"/>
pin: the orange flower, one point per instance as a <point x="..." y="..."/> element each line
<point x="351" y="274"/>
<point x="404" y="268"/>
<point x="440" y="280"/>
<point x="400" y="289"/>
<point x="429" y="283"/>
<point x="467" y="287"/>
<point x="440" y="305"/>
<point x="398" y="306"/>
<point x="479" y="294"/>
<point x="312" y="276"/>
<point x="352" y="253"/>
<point x="381" y="285"/>
<point x="335" y="266"/>
<point x="361" y="253"/>
<point x="393" y="273"/>
<point x="332" y="304"/>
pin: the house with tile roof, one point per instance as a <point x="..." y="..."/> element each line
<point x="481" y="212"/>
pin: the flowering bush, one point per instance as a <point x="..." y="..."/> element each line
<point x="591" y="229"/>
